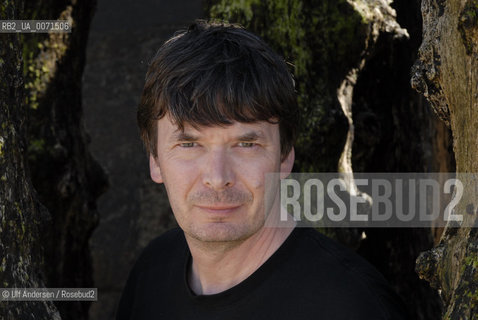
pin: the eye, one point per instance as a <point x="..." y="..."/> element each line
<point x="246" y="144"/>
<point x="187" y="144"/>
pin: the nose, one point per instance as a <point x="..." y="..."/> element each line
<point x="218" y="173"/>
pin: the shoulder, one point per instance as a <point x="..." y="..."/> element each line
<point x="172" y="237"/>
<point x="166" y="247"/>
<point x="338" y="254"/>
<point x="156" y="258"/>
<point x="347" y="276"/>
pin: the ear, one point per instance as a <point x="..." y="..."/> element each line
<point x="154" y="169"/>
<point x="287" y="164"/>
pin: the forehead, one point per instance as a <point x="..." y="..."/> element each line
<point x="168" y="130"/>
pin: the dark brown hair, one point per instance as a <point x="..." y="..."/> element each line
<point x="214" y="74"/>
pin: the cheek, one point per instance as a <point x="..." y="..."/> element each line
<point x="252" y="175"/>
<point x="179" y="178"/>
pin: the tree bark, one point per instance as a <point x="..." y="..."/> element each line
<point x="67" y="178"/>
<point x="42" y="126"/>
<point x="396" y="131"/>
<point x="447" y="74"/>
<point x="22" y="217"/>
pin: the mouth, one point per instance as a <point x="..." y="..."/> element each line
<point x="219" y="209"/>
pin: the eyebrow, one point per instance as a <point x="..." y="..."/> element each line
<point x="183" y="136"/>
<point x="250" y="136"/>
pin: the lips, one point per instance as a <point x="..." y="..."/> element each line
<point x="219" y="209"/>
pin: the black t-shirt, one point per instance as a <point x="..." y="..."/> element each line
<point x="309" y="277"/>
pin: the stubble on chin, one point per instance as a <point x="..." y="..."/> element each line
<point x="223" y="229"/>
<point x="223" y="234"/>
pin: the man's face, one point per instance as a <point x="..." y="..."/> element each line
<point x="215" y="176"/>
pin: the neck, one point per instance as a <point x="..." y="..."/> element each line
<point x="218" y="267"/>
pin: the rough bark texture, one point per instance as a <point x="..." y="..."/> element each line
<point x="396" y="131"/>
<point x="22" y="217"/>
<point x="447" y="74"/>
<point x="67" y="178"/>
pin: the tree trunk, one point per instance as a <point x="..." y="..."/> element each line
<point x="41" y="124"/>
<point x="67" y="178"/>
<point x="396" y="131"/>
<point x="22" y="217"/>
<point x="447" y="74"/>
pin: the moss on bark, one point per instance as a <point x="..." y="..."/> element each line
<point x="63" y="171"/>
<point x="448" y="50"/>
<point x="22" y="218"/>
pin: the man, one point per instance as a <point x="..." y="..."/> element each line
<point x="218" y="112"/>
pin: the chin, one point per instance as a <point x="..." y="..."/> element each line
<point x="223" y="232"/>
